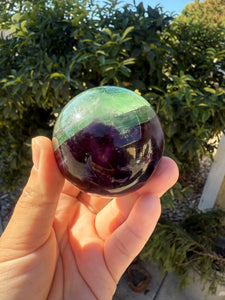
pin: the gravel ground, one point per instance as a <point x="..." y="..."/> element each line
<point x="195" y="181"/>
<point x="7" y="203"/>
<point x="6" y="207"/>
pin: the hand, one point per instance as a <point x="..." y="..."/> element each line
<point x="63" y="244"/>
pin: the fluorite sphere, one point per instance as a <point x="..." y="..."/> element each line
<point x="108" y="141"/>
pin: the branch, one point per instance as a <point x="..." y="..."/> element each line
<point x="216" y="257"/>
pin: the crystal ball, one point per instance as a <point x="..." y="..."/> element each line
<point x="108" y="141"/>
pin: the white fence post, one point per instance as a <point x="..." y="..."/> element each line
<point x="214" y="189"/>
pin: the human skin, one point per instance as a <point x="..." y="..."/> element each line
<point x="62" y="244"/>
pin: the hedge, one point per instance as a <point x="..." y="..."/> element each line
<point x="58" y="49"/>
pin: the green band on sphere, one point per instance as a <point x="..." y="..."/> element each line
<point x="110" y="105"/>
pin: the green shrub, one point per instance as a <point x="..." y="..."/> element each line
<point x="55" y="52"/>
<point x="190" y="118"/>
<point x="191" y="245"/>
<point x="57" y="49"/>
<point x="191" y="106"/>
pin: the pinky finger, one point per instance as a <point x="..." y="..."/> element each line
<point x="127" y="241"/>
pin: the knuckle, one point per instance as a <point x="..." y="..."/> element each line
<point x="123" y="248"/>
<point x="29" y="198"/>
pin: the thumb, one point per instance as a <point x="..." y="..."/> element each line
<point x="31" y="222"/>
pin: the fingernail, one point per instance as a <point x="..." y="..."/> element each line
<point x="35" y="153"/>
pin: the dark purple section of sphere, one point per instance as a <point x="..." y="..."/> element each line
<point x="100" y="160"/>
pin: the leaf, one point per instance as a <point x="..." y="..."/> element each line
<point x="45" y="88"/>
<point x="105" y="81"/>
<point x="13" y="28"/>
<point x="189" y="78"/>
<point x="23" y="26"/>
<point x="9" y="83"/>
<point x="111" y="62"/>
<point x="57" y="75"/>
<point x="88" y="40"/>
<point x="101" y="52"/>
<point x="157" y="88"/>
<point x="108" y="31"/>
<point x="16" y="17"/>
<point x="205" y="116"/>
<point x="83" y="57"/>
<point x="49" y="67"/>
<point x="127" y="31"/>
<point x="210" y="90"/>
<point x="188" y="97"/>
<point x="125" y="71"/>
<point x="126" y="39"/>
<point x="129" y="61"/>
<point x="171" y="129"/>
<point x="203" y="105"/>
<point x="109" y="69"/>
<point x="101" y="59"/>
<point x="195" y="112"/>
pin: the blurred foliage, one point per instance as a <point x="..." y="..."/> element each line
<point x="211" y="12"/>
<point x="192" y="107"/>
<point x="195" y="244"/>
<point x="58" y="48"/>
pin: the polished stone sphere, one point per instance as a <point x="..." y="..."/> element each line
<point x="108" y="141"/>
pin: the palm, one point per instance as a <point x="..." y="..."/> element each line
<point x="85" y="262"/>
<point x="80" y="249"/>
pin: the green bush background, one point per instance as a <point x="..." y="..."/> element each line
<point x="58" y="49"/>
